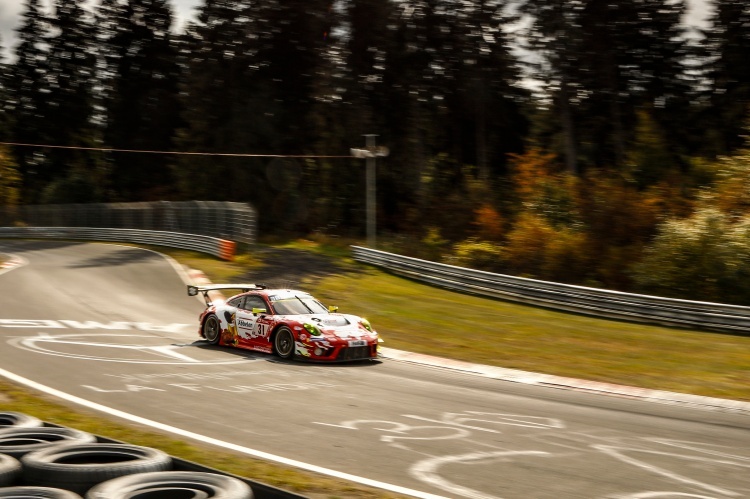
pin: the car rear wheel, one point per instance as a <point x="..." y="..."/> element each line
<point x="212" y="330"/>
<point x="283" y="343"/>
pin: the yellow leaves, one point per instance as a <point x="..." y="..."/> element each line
<point x="10" y="179"/>
<point x="530" y="170"/>
<point x="489" y="223"/>
<point x="536" y="249"/>
<point x="731" y="193"/>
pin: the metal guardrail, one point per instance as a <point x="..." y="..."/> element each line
<point x="578" y="299"/>
<point x="205" y="244"/>
<point x="225" y="220"/>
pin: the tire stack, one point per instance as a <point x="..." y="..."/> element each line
<point x="43" y="462"/>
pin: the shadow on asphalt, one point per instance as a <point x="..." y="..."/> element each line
<point x="250" y="355"/>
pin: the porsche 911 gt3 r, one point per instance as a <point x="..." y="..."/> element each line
<point x="284" y="322"/>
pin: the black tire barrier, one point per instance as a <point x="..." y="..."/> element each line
<point x="18" y="442"/>
<point x="78" y="467"/>
<point x="24" y="492"/>
<point x="13" y="486"/>
<point x="10" y="470"/>
<point x="172" y="485"/>
<point x="13" y="419"/>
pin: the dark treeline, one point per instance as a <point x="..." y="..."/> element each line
<point x="549" y="138"/>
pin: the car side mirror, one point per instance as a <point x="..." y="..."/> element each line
<point x="257" y="311"/>
<point x="333" y="308"/>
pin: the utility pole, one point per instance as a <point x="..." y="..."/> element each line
<point x="370" y="152"/>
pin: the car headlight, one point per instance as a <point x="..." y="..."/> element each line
<point x="312" y="329"/>
<point x="365" y="324"/>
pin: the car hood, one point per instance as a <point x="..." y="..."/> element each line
<point x="341" y="325"/>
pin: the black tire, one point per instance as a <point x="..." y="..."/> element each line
<point x="37" y="493"/>
<point x="17" y="442"/>
<point x="172" y="485"/>
<point x="212" y="329"/>
<point x="11" y="419"/>
<point x="10" y="470"/>
<point x="283" y="343"/>
<point x="78" y="467"/>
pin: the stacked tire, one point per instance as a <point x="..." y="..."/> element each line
<point x="63" y="463"/>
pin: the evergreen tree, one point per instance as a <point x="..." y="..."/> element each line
<point x="251" y="80"/>
<point x="630" y="59"/>
<point x="70" y="102"/>
<point x="291" y="53"/>
<point x="486" y="105"/>
<point x="555" y="36"/>
<point x="27" y="100"/>
<point x="139" y="93"/>
<point x="4" y="80"/>
<point x="607" y="60"/>
<point x="729" y="45"/>
<point x="222" y="101"/>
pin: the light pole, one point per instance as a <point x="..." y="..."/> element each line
<point x="370" y="152"/>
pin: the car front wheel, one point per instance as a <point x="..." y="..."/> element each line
<point x="212" y="330"/>
<point x="283" y="343"/>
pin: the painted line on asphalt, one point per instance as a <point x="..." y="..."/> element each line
<point x="220" y="443"/>
<point x="551" y="381"/>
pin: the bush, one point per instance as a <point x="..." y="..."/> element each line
<point x="703" y="257"/>
<point x="476" y="254"/>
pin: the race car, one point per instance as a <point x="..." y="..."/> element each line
<point x="284" y="322"/>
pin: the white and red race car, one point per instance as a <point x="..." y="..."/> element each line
<point x="284" y="322"/>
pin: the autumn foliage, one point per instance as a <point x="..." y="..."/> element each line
<point x="685" y="236"/>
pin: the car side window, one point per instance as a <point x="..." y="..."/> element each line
<point x="254" y="302"/>
<point x="236" y="302"/>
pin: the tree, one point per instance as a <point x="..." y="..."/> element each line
<point x="704" y="257"/>
<point x="224" y="106"/>
<point x="69" y="80"/>
<point x="607" y="60"/>
<point x="486" y="98"/>
<point x="555" y="36"/>
<point x="27" y="100"/>
<point x="728" y="42"/>
<point x="140" y="105"/>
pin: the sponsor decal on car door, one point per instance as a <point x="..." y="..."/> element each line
<point x="249" y="328"/>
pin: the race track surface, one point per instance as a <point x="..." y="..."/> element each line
<point x="112" y="327"/>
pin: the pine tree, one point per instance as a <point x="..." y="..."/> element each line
<point x="607" y="60"/>
<point x="27" y="100"/>
<point x="485" y="76"/>
<point x="226" y="106"/>
<point x="140" y="93"/>
<point x="70" y="102"/>
<point x="630" y="58"/>
<point x="729" y="46"/>
<point x="555" y="37"/>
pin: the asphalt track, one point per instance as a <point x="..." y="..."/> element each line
<point x="111" y="327"/>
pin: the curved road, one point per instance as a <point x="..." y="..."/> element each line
<point x="112" y="327"/>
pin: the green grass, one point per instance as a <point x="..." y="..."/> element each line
<point x="418" y="318"/>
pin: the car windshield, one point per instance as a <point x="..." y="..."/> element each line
<point x="298" y="305"/>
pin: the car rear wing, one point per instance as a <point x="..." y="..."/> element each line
<point x="194" y="290"/>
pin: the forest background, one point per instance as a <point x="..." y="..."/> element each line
<point x="590" y="142"/>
